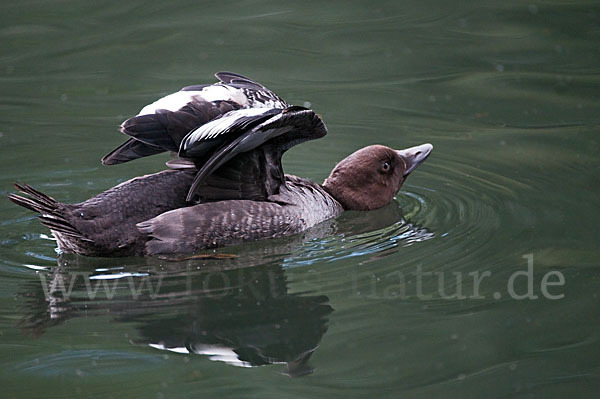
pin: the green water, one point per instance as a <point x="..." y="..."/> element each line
<point x="416" y="300"/>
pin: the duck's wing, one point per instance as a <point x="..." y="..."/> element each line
<point x="248" y="176"/>
<point x="236" y="78"/>
<point x="131" y="149"/>
<point x="262" y="134"/>
<point x="160" y="129"/>
<point x="256" y="94"/>
<point x="162" y="125"/>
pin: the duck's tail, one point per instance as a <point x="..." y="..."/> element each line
<point x="50" y="210"/>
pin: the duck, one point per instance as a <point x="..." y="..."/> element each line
<point x="225" y="184"/>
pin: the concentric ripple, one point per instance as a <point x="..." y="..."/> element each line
<point x="457" y="206"/>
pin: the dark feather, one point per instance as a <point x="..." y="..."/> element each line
<point x="292" y="126"/>
<point x="150" y="129"/>
<point x="253" y="90"/>
<point x="52" y="215"/>
<point x="224" y="154"/>
<point x="164" y="130"/>
<point x="250" y="175"/>
<point x="104" y="225"/>
<point x="39" y="202"/>
<point x="63" y="227"/>
<point x="194" y="87"/>
<point x="130" y="150"/>
<point x="28" y="203"/>
<point x="233" y="78"/>
<point x="231" y="125"/>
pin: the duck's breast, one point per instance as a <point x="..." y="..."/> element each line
<point x="308" y="200"/>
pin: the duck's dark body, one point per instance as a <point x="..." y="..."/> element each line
<point x="105" y="225"/>
<point x="148" y="215"/>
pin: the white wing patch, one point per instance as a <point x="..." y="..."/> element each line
<point x="218" y="126"/>
<point x="172" y="102"/>
<point x="176" y="101"/>
<point x="219" y="92"/>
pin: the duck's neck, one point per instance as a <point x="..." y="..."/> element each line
<point x="342" y="194"/>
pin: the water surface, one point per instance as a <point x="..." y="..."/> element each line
<point x="419" y="299"/>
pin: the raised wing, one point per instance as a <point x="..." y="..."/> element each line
<point x="256" y="94"/>
<point x="162" y="125"/>
<point x="233" y="131"/>
<point x="163" y="130"/>
<point x="271" y="131"/>
<point x="235" y="78"/>
<point x="226" y="128"/>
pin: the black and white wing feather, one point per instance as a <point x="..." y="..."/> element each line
<point x="163" y="130"/>
<point x="225" y="128"/>
<point x="162" y="125"/>
<point x="276" y="130"/>
<point x="256" y="94"/>
<point x="233" y="132"/>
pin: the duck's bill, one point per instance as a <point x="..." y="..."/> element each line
<point x="415" y="156"/>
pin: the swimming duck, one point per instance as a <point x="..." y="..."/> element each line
<point x="226" y="185"/>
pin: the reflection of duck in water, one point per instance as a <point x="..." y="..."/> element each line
<point x="228" y="185"/>
<point x="237" y="310"/>
<point x="243" y="316"/>
<point x="252" y="322"/>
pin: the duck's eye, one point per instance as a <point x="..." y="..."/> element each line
<point x="385" y="167"/>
